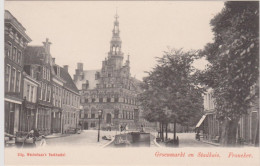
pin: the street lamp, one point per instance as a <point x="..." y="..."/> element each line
<point x="99" y="116"/>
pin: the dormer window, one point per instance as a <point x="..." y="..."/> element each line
<point x="32" y="73"/>
<point x="8" y="50"/>
<point x="48" y="74"/>
<point x="44" y="72"/>
<point x="58" y="71"/>
<point x="14" y="54"/>
<point x="11" y="31"/>
<point x="19" y="55"/>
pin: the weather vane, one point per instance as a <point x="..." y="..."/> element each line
<point x="116" y="16"/>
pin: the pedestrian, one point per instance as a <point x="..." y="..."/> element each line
<point x="43" y="141"/>
<point x="29" y="140"/>
<point x="142" y="129"/>
<point x="121" y="128"/>
<point x="36" y="133"/>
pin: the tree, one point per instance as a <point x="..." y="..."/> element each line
<point x="234" y="61"/>
<point x="172" y="94"/>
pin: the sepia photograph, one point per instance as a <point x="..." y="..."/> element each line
<point x="131" y="82"/>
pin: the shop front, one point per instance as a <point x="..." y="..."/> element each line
<point x="56" y="120"/>
<point x="12" y="110"/>
<point x="44" y="120"/>
<point x="28" y="116"/>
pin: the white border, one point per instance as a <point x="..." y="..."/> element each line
<point x="2" y="82"/>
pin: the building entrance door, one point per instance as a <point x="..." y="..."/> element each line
<point x="85" y="125"/>
<point x="9" y="117"/>
<point x="108" y="118"/>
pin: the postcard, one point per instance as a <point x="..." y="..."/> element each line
<point x="131" y="83"/>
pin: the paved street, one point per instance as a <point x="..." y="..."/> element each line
<point x="86" y="138"/>
<point x="89" y="138"/>
<point x="188" y="140"/>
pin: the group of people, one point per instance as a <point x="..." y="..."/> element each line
<point x="31" y="138"/>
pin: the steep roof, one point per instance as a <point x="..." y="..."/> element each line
<point x="9" y="18"/>
<point x="34" y="54"/>
<point x="137" y="84"/>
<point x="69" y="82"/>
<point x="90" y="76"/>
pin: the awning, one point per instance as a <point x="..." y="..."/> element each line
<point x="201" y="121"/>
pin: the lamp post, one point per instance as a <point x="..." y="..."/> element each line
<point x="99" y="116"/>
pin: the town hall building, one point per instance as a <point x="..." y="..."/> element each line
<point x="110" y="90"/>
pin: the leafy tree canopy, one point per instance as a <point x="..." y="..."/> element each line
<point x="233" y="57"/>
<point x="171" y="90"/>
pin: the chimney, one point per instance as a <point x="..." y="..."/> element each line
<point x="80" y="66"/>
<point x="66" y="67"/>
<point x="47" y="45"/>
<point x="53" y="60"/>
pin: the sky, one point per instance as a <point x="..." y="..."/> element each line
<point x="81" y="31"/>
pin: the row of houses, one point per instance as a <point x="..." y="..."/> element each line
<point x="39" y="93"/>
<point x="248" y="129"/>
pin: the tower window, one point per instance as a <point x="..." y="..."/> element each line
<point x="116" y="29"/>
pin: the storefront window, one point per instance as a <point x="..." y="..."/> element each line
<point x="12" y="80"/>
<point x="18" y="81"/>
<point x="7" y="77"/>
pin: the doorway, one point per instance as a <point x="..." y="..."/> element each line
<point x="108" y="118"/>
<point x="86" y="126"/>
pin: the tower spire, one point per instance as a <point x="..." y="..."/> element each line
<point x="115" y="43"/>
<point x="115" y="55"/>
<point x="116" y="16"/>
<point x="127" y="61"/>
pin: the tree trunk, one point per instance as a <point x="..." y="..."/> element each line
<point x="160" y="130"/>
<point x="160" y="127"/>
<point x="256" y="140"/>
<point x="174" y="130"/>
<point x="229" y="132"/>
<point x="162" y="133"/>
<point x="166" y="130"/>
